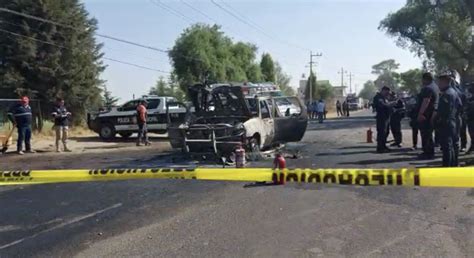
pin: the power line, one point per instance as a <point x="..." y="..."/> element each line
<point x="63" y="47"/>
<point x="74" y="28"/>
<point x="107" y="47"/>
<point x="199" y="11"/>
<point x="254" y="25"/>
<point x="215" y="21"/>
<point x="98" y="34"/>
<point x="172" y="10"/>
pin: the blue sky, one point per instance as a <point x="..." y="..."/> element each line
<point x="344" y="31"/>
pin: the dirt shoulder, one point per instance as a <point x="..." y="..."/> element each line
<point x="87" y="152"/>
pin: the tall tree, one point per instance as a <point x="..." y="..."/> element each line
<point x="437" y="30"/>
<point x="283" y="80"/>
<point x="160" y="89"/>
<point x="411" y="81"/>
<point x="45" y="60"/>
<point x="107" y="98"/>
<point x="324" y="90"/>
<point x="386" y="66"/>
<point x="203" y="51"/>
<point x="368" y="91"/>
<point x="387" y="75"/>
<point x="267" y="67"/>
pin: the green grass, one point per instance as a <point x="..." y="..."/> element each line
<point x="48" y="131"/>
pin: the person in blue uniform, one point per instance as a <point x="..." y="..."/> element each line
<point x="428" y="102"/>
<point x="21" y="117"/>
<point x="383" y="108"/>
<point x="396" y="121"/>
<point x="445" y="119"/>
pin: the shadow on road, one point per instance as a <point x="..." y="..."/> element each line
<point x="344" y="123"/>
<point x="356" y="147"/>
<point x="377" y="161"/>
<point x="346" y="153"/>
<point x="96" y="139"/>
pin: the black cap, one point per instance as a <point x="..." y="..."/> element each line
<point x="385" y="88"/>
<point x="427" y="76"/>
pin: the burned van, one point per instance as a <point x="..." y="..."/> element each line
<point x="224" y="117"/>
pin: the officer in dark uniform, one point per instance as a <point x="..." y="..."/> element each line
<point x="446" y="120"/>
<point x="461" y="119"/>
<point x="427" y="103"/>
<point x="469" y="113"/>
<point x="383" y="108"/>
<point x="396" y="121"/>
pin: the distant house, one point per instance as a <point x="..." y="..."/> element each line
<point x="302" y="87"/>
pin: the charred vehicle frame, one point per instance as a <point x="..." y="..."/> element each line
<point x="224" y="118"/>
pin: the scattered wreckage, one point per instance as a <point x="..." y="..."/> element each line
<point x="226" y="116"/>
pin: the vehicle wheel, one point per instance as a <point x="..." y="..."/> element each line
<point x="125" y="135"/>
<point x="107" y="132"/>
<point x="254" y="153"/>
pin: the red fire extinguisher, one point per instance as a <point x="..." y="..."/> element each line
<point x="239" y="156"/>
<point x="369" y="135"/>
<point x="279" y="163"/>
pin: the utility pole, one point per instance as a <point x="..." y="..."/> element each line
<point x="350" y="82"/>
<point x="311" y="55"/>
<point x="342" y="73"/>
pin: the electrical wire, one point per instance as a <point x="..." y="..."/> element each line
<point x="74" y="28"/>
<point x="106" y="47"/>
<point x="63" y="47"/>
<point x="234" y="13"/>
<point x="171" y="10"/>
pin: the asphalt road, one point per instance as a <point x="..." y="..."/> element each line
<point x="191" y="218"/>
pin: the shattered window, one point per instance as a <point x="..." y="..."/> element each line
<point x="252" y="104"/>
<point x="264" y="108"/>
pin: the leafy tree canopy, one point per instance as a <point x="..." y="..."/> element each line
<point x="387" y="75"/>
<point x="268" y="68"/>
<point x="204" y="52"/>
<point x="411" y="81"/>
<point x="51" y="61"/>
<point x="368" y="91"/>
<point x="107" y="99"/>
<point x="438" y="30"/>
<point x="283" y="80"/>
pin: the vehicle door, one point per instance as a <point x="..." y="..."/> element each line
<point x="267" y="123"/>
<point x="290" y="118"/>
<point x="125" y="118"/>
<point x="156" y="119"/>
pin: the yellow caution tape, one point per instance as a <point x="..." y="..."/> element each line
<point x="424" y="177"/>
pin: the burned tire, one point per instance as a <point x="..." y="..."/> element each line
<point x="125" y="135"/>
<point x="254" y="153"/>
<point x="107" y="132"/>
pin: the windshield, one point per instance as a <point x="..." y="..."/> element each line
<point x="284" y="128"/>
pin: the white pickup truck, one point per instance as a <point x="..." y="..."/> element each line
<point x="122" y="120"/>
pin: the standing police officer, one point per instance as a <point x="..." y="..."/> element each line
<point x="446" y="120"/>
<point x="396" y="121"/>
<point x="383" y="108"/>
<point x="469" y="112"/>
<point x="428" y="102"/>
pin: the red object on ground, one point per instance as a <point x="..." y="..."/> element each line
<point x="239" y="157"/>
<point x="369" y="135"/>
<point x="279" y="163"/>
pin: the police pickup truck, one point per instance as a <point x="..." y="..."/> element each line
<point x="122" y="120"/>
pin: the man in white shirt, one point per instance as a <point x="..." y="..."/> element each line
<point x="320" y="109"/>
